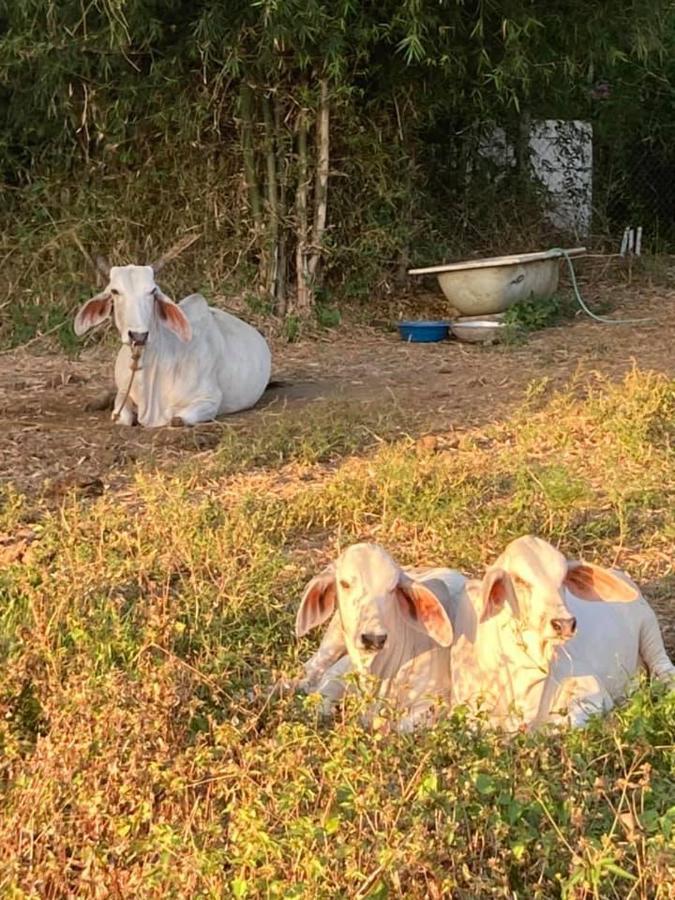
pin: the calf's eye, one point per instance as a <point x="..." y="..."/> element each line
<point x="344" y="584"/>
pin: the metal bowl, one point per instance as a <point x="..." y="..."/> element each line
<point x="479" y="329"/>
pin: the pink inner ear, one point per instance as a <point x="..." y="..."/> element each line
<point x="580" y="581"/>
<point x="317" y="604"/>
<point x="407" y="604"/>
<point x="594" y="584"/>
<point x="93" y="313"/>
<point x="174" y="318"/>
<point x="422" y="608"/>
<point x="498" y="593"/>
<point x="495" y="593"/>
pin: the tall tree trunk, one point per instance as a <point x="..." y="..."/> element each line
<point x="304" y="299"/>
<point x="322" y="171"/>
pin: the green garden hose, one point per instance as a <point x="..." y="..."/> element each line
<point x="589" y="312"/>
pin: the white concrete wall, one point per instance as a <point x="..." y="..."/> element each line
<point x="561" y="155"/>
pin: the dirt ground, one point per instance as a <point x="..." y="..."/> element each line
<point x="47" y="432"/>
<point x="50" y="442"/>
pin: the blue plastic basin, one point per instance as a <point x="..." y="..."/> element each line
<point x="423" y="332"/>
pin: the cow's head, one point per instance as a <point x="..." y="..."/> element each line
<point x="531" y="578"/>
<point x="137" y="305"/>
<point x="376" y="601"/>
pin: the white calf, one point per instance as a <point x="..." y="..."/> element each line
<point x="387" y="623"/>
<point x="196" y="362"/>
<point x="543" y="639"/>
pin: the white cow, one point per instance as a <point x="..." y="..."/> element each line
<point x="196" y="362"/>
<point x="543" y="639"/>
<point x="388" y="623"/>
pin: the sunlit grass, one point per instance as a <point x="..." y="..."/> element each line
<point x="142" y="756"/>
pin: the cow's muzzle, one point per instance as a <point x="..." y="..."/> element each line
<point x="138" y="338"/>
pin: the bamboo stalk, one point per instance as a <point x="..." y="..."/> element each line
<point x="322" y="171"/>
<point x="282" y="158"/>
<point x="248" y="150"/>
<point x="304" y="291"/>
<point x="270" y="257"/>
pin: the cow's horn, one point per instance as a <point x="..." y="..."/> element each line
<point x="103" y="266"/>
<point x="185" y="242"/>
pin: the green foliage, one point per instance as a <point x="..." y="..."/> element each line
<point x="292" y="328"/>
<point x="328" y="316"/>
<point x="531" y="315"/>
<point x="123" y="122"/>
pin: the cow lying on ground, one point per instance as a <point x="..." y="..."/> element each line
<point x="543" y="639"/>
<point x="539" y="639"/>
<point x="179" y="363"/>
<point x="388" y="623"/>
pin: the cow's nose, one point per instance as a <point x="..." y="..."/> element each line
<point x="139" y="338"/>
<point x="564" y="628"/>
<point x="373" y="641"/>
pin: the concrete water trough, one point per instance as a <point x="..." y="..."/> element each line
<point x="479" y="287"/>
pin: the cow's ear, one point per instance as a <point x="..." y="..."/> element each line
<point x="93" y="312"/>
<point x="173" y="317"/>
<point x="318" y="602"/>
<point x="593" y="583"/>
<point x="496" y="590"/>
<point x="424" y="611"/>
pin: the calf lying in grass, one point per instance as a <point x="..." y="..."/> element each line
<point x="546" y="639"/>
<point x="387" y="623"/>
<point x="539" y="639"/>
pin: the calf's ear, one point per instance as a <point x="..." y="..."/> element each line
<point x="93" y="312"/>
<point x="496" y="590"/>
<point x="173" y="317"/>
<point x="424" y="611"/>
<point x="318" y="602"/>
<point x="595" y="584"/>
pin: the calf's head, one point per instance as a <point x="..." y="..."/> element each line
<point x="376" y="602"/>
<point x="531" y="577"/>
<point x="137" y="305"/>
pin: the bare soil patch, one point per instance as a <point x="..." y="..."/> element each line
<point x="47" y="434"/>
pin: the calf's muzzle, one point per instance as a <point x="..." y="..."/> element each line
<point x="372" y="641"/>
<point x="564" y="628"/>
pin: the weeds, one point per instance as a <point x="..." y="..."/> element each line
<point x="143" y="756"/>
<point x="531" y="315"/>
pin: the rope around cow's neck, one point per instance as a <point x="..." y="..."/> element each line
<point x="136" y="353"/>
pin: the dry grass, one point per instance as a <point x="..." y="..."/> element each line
<point x="140" y="633"/>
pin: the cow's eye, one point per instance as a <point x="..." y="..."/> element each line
<point x="344" y="584"/>
<point x="114" y="292"/>
<point x="520" y="582"/>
